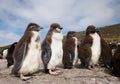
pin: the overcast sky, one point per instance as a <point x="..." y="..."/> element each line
<point x="75" y="15"/>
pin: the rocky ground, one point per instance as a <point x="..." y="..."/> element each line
<point x="73" y="76"/>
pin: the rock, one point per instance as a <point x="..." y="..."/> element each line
<point x="69" y="76"/>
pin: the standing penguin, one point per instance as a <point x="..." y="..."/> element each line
<point x="113" y="47"/>
<point x="70" y="51"/>
<point x="27" y="52"/>
<point x="3" y="53"/>
<point x="116" y="62"/>
<point x="52" y="51"/>
<point x="10" y="55"/>
<point x="106" y="53"/>
<point x="92" y="47"/>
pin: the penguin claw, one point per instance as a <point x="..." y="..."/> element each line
<point x="22" y="77"/>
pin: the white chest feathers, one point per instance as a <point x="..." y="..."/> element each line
<point x="76" y="51"/>
<point x="5" y="52"/>
<point x="57" y="50"/>
<point x="96" y="48"/>
<point x="32" y="61"/>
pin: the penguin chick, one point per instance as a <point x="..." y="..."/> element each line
<point x="90" y="48"/>
<point x="9" y="57"/>
<point x="52" y="51"/>
<point x="116" y="62"/>
<point x="3" y="53"/>
<point x="27" y="52"/>
<point x="70" y="51"/>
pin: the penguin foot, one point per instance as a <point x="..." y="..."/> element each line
<point x="52" y="72"/>
<point x="90" y="67"/>
<point x="82" y="65"/>
<point x="57" y="70"/>
<point x="97" y="65"/>
<point x="67" y="67"/>
<point x="22" y="77"/>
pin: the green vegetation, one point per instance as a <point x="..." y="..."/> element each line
<point x="109" y="33"/>
<point x="4" y="47"/>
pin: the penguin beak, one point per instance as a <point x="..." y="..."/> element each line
<point x="61" y="28"/>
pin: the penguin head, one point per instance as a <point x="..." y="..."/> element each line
<point x="90" y="29"/>
<point x="55" y="27"/>
<point x="33" y="27"/>
<point x="113" y="45"/>
<point x="71" y="34"/>
<point x="14" y="44"/>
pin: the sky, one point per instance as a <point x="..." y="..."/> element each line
<point x="73" y="15"/>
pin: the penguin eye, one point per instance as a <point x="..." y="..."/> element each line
<point x="32" y="27"/>
<point x="54" y="27"/>
<point x="71" y="34"/>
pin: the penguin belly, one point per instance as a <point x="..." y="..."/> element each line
<point x="95" y="48"/>
<point x="31" y="62"/>
<point x="57" y="51"/>
<point x="76" y="52"/>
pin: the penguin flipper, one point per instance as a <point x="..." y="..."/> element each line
<point x="46" y="54"/>
<point x="21" y="56"/>
<point x="72" y="56"/>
